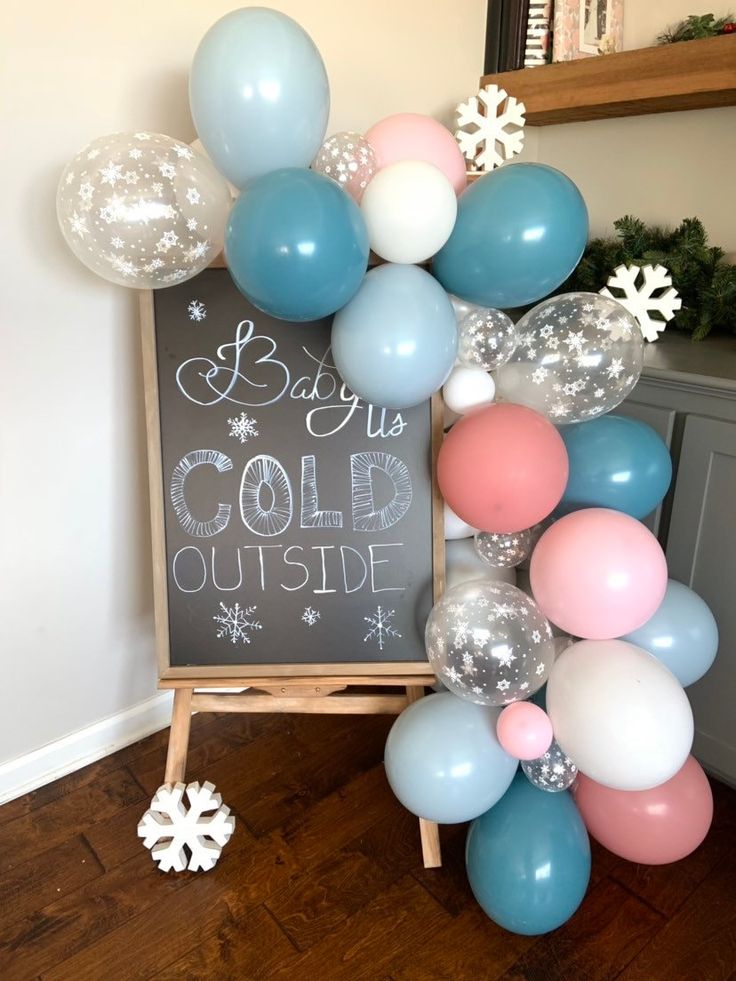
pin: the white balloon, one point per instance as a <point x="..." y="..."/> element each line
<point x="455" y="527"/>
<point x="467" y="389"/>
<point x="463" y="564"/>
<point x="619" y="714"/>
<point x="197" y="146"/>
<point x="462" y="307"/>
<point x="409" y="210"/>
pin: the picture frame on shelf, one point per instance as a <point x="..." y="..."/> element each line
<point x="586" y="28"/>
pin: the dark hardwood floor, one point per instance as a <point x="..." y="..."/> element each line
<point x="322" y="878"/>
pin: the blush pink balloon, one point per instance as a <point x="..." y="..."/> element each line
<point x="598" y="574"/>
<point x="654" y="826"/>
<point x="411" y="136"/>
<point x="502" y="468"/>
<point x="524" y="730"/>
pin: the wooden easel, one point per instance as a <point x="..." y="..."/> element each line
<point x="313" y="688"/>
<point x="314" y="695"/>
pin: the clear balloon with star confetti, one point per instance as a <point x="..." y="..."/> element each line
<point x="503" y="551"/>
<point x="349" y="160"/>
<point x="489" y="643"/>
<point x="142" y="209"/>
<point x="553" y="771"/>
<point x="486" y="338"/>
<point x="579" y="355"/>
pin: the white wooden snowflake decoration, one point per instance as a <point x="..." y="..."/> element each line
<point x="182" y="837"/>
<point x="649" y="297"/>
<point x="490" y="128"/>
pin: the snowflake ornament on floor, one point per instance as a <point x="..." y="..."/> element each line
<point x="381" y="628"/>
<point x="234" y="622"/>
<point x="490" y="128"/>
<point x="651" y="296"/>
<point x="182" y="837"/>
<point x="310" y="616"/>
<point x="243" y="427"/>
<point x="197" y="311"/>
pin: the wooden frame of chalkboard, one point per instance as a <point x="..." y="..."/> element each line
<point x="273" y="687"/>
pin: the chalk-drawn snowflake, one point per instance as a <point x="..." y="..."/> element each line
<point x="243" y="427"/>
<point x="235" y="621"/>
<point x="381" y="628"/>
<point x="310" y="616"/>
<point x="182" y="837"/>
<point x="197" y="311"/>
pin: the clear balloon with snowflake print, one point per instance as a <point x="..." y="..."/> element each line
<point x="349" y="160"/>
<point x="503" y="550"/>
<point x="579" y="355"/>
<point x="553" y="771"/>
<point x="489" y="643"/>
<point x="142" y="209"/>
<point x="486" y="339"/>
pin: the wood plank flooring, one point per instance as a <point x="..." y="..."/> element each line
<point x="322" y="879"/>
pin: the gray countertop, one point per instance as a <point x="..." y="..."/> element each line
<point x="674" y="357"/>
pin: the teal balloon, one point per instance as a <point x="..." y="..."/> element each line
<point x="395" y="343"/>
<point x="682" y="634"/>
<point x="520" y="232"/>
<point x="444" y="761"/>
<point x="296" y="245"/>
<point x="528" y="859"/>
<point x="615" y="463"/>
<point x="259" y="94"/>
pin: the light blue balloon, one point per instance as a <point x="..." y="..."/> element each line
<point x="682" y="634"/>
<point x="296" y="244"/>
<point x="520" y="232"/>
<point x="395" y="343"/>
<point x="443" y="759"/>
<point x="615" y="463"/>
<point x="528" y="859"/>
<point x="259" y="94"/>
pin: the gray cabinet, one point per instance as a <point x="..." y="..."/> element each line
<point x="687" y="392"/>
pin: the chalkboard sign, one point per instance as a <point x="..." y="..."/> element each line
<point x="296" y="529"/>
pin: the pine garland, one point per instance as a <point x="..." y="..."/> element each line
<point x="705" y="282"/>
<point x="695" y="27"/>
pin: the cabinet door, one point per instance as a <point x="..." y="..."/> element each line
<point x="701" y="552"/>
<point x="662" y="422"/>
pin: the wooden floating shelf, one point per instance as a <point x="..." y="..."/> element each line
<point x="669" y="78"/>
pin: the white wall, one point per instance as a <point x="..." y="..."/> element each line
<point x="661" y="168"/>
<point x="75" y="586"/>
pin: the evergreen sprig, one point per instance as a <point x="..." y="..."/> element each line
<point x="695" y="27"/>
<point x="705" y="282"/>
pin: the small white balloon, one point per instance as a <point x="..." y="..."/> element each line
<point x="462" y="564"/>
<point x="409" y="210"/>
<point x="467" y="389"/>
<point x="462" y="307"/>
<point x="455" y="527"/>
<point x="197" y="146"/>
<point x="619" y="714"/>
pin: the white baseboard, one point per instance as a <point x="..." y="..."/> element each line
<point x="87" y="745"/>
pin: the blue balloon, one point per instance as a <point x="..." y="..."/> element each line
<point x="259" y="94"/>
<point x="682" y="634"/>
<point x="443" y="759"/>
<point x="520" y="232"/>
<point x="296" y="244"/>
<point x="395" y="342"/>
<point x="528" y="859"/>
<point x="615" y="463"/>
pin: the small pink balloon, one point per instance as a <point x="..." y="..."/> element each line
<point x="524" y="730"/>
<point x="411" y="136"/>
<point x="654" y="826"/>
<point x="598" y="574"/>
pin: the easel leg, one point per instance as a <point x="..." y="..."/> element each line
<point x="428" y="830"/>
<point x="176" y="758"/>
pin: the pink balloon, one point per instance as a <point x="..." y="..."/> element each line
<point x="411" y="136"/>
<point x="654" y="826"/>
<point x="598" y="574"/>
<point x="524" y="730"/>
<point x="502" y="468"/>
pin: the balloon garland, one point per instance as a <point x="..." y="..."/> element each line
<point x="534" y="472"/>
